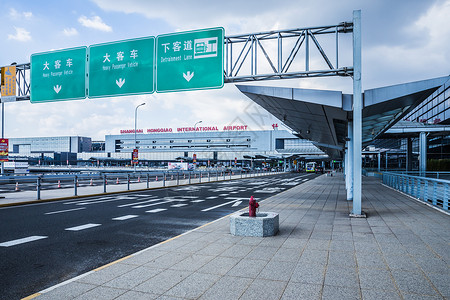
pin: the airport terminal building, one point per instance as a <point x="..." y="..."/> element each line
<point x="211" y="145"/>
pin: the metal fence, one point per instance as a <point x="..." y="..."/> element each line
<point x="429" y="190"/>
<point x="84" y="184"/>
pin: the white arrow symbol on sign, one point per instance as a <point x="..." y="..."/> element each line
<point x="120" y="82"/>
<point x="57" y="88"/>
<point x="188" y="76"/>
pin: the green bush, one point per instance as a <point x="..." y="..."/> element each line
<point x="438" y="165"/>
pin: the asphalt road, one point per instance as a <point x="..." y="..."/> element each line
<point x="44" y="244"/>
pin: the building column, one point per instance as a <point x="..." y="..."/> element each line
<point x="379" y="162"/>
<point x="387" y="161"/>
<point x="409" y="155"/>
<point x="423" y="153"/>
<point x="350" y="162"/>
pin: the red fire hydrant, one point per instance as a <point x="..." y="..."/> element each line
<point x="252" y="206"/>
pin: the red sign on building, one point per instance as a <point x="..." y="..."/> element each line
<point x="135" y="156"/>
<point x="4" y="149"/>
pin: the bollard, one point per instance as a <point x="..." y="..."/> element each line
<point x="59" y="184"/>
<point x="148" y="180"/>
<point x="178" y="178"/>
<point x="91" y="183"/>
<point x="139" y="179"/>
<point x="189" y="178"/>
<point x="75" y="185"/>
<point x="164" y="179"/>
<point x="17" y="186"/>
<point x="128" y="182"/>
<point x="105" y="182"/>
<point x="38" y="188"/>
<point x="117" y="181"/>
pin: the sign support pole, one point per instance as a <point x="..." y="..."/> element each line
<point x="357" y="115"/>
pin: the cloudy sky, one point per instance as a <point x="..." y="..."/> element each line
<point x="403" y="41"/>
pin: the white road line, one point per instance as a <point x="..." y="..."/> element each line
<point x="125" y="217"/>
<point x="223" y="195"/>
<point x="237" y="203"/>
<point x="102" y="201"/>
<point x="22" y="241"/>
<point x="234" y="192"/>
<point x="178" y="205"/>
<point x="195" y="201"/>
<point x="214" y="207"/>
<point x="86" y="200"/>
<point x="212" y="197"/>
<point x="190" y="197"/>
<point x="82" y="227"/>
<point x="63" y="211"/>
<point x="156" y="210"/>
<point x="135" y="203"/>
<point x="153" y="204"/>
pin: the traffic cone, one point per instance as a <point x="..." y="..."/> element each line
<point x="156" y="178"/>
<point x="77" y="183"/>
<point x="139" y="178"/>
<point x="184" y="176"/>
<point x="117" y="181"/>
<point x="17" y="186"/>
<point x="59" y="184"/>
<point x="106" y="181"/>
<point x="91" y="183"/>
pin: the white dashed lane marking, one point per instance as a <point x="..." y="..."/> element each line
<point x="125" y="217"/>
<point x="212" y="197"/>
<point x="178" y="205"/>
<point x="237" y="203"/>
<point x="82" y="227"/>
<point x="195" y="201"/>
<point x="156" y="210"/>
<point x="63" y="211"/>
<point x="217" y="206"/>
<point x="23" y="241"/>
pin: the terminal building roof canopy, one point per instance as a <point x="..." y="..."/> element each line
<point x="321" y="116"/>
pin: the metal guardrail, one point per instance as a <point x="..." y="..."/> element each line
<point x="42" y="183"/>
<point x="429" y="190"/>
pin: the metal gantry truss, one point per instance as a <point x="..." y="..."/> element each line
<point x="246" y="49"/>
<point x="261" y="56"/>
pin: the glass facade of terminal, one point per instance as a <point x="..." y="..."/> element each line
<point x="435" y="109"/>
<point x="38" y="145"/>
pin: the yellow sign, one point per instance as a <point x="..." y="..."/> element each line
<point x="8" y="81"/>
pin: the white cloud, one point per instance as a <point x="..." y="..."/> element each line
<point x="14" y="14"/>
<point x="70" y="31"/>
<point x="95" y="23"/>
<point x="21" y="35"/>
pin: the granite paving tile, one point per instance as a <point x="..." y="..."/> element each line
<point x="248" y="268"/>
<point x="193" y="286"/>
<point x="264" y="289"/>
<point x="227" y="287"/>
<point x="296" y="290"/>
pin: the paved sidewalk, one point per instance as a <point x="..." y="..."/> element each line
<point x="401" y="251"/>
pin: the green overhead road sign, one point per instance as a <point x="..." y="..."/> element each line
<point x="121" y="68"/>
<point x="58" y="75"/>
<point x="189" y="60"/>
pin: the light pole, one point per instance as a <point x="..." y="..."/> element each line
<point x="135" y="124"/>
<point x="195" y="131"/>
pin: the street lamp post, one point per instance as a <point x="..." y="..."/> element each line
<point x="195" y="131"/>
<point x="135" y="125"/>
